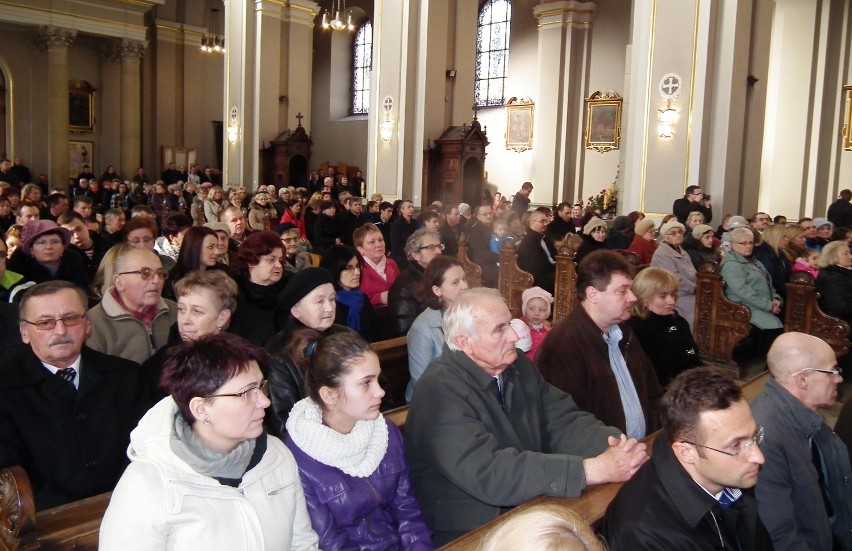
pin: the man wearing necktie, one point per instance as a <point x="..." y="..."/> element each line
<point x="66" y="411"/>
<point x="804" y="492"/>
<point x="695" y="493"/>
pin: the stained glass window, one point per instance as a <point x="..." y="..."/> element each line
<point x="492" y="52"/>
<point x="362" y="63"/>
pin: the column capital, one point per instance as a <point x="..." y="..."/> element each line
<point x="123" y="49"/>
<point x="566" y="13"/>
<point x="48" y="37"/>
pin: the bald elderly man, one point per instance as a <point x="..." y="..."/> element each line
<point x="133" y="319"/>
<point x="803" y="490"/>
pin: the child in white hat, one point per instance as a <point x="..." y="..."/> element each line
<point x="535" y="305"/>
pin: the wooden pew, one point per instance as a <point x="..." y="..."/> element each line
<point x="472" y="270"/>
<point x="393" y="357"/>
<point x="565" y="290"/>
<point x="591" y="505"/>
<point x="803" y="314"/>
<point x="720" y="324"/>
<point x="398" y="416"/>
<point x="511" y="280"/>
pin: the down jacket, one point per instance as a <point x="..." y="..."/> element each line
<point x="162" y="503"/>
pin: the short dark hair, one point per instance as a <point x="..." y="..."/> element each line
<point x="83" y="200"/>
<point x="563" y="205"/>
<point x="692" y="393"/>
<point x="846" y="194"/>
<point x="371" y="204"/>
<point x="201" y="367"/>
<point x="527" y="185"/>
<point x="54" y="198"/>
<point x="434" y="276"/>
<point x="173" y="223"/>
<point x="429" y="215"/>
<point x="139" y="223"/>
<point x="49" y="288"/>
<point x="256" y="245"/>
<point x="384" y="205"/>
<point x="336" y="259"/>
<point x="326" y="359"/>
<point x="597" y="269"/>
<point x="690" y="190"/>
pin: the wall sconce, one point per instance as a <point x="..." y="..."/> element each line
<point x="234" y="126"/>
<point x="667" y="121"/>
<point x="386" y="126"/>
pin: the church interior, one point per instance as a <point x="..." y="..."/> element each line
<point x="745" y="98"/>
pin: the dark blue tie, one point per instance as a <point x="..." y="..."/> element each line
<point x="68" y="375"/>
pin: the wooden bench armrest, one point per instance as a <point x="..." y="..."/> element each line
<point x="803" y="314"/>
<point x="17" y="507"/>
<point x="472" y="270"/>
<point x="511" y="280"/>
<point x="565" y="289"/>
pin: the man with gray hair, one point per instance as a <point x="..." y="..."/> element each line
<point x="66" y="411"/>
<point x="486" y="432"/>
<point x="803" y="491"/>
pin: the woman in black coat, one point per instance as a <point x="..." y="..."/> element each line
<point x="594" y="238"/>
<point x="663" y="333"/>
<point x="46" y="255"/>
<point x="328" y="230"/>
<point x="353" y="308"/>
<point x="770" y="253"/>
<point x="834" y="281"/>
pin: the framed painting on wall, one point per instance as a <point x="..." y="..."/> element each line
<point x="79" y="154"/>
<point x="81" y="107"/>
<point x="847" y="118"/>
<point x="603" y="121"/>
<point x="519" y="124"/>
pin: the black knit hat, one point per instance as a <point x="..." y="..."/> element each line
<point x="300" y="285"/>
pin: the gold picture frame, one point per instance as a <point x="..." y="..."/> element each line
<point x="81" y="107"/>
<point x="519" y="124"/>
<point x="186" y="156"/>
<point x="603" y="121"/>
<point x="79" y="154"/>
<point x="847" y="118"/>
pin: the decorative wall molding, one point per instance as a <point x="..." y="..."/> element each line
<point x="48" y="37"/>
<point x="123" y="49"/>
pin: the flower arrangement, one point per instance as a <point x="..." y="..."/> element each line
<point x="607" y="199"/>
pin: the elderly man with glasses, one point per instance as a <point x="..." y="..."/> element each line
<point x="66" y="411"/>
<point x="133" y="319"/>
<point x="804" y="492"/>
<point x="694" y="492"/>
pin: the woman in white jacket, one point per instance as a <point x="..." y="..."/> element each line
<point x="203" y="473"/>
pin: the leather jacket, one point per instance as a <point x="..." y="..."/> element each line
<point x="403" y="304"/>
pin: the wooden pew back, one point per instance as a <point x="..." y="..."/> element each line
<point x="511" y="280"/>
<point x="393" y="357"/>
<point x="720" y="324"/>
<point x="472" y="270"/>
<point x="803" y="314"/>
<point x="565" y="291"/>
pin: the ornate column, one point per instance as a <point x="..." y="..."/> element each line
<point x="130" y="53"/>
<point x="56" y="40"/>
<point x="563" y="56"/>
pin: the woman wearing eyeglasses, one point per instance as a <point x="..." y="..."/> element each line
<point x="353" y="309"/>
<point x="295" y="261"/>
<point x="351" y="459"/>
<point x="204" y="474"/>
<point x="403" y="303"/>
<point x="45" y="255"/>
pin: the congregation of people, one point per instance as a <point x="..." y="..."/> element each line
<point x="205" y="354"/>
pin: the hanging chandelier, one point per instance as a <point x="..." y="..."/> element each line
<point x="338" y="7"/>
<point x="213" y="41"/>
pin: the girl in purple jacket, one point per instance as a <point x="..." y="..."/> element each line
<point x="351" y="460"/>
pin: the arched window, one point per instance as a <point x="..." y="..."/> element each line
<point x="492" y="52"/>
<point x="362" y="63"/>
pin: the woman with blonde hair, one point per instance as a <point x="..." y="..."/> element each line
<point x="663" y="333"/>
<point x="215" y="204"/>
<point x="545" y="527"/>
<point x="796" y="242"/>
<point x="834" y="281"/>
<point x="770" y="253"/>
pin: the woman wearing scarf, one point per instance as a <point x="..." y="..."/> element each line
<point x="353" y="309"/>
<point x="351" y="459"/>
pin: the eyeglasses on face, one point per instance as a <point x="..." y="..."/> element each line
<point x="68" y="321"/>
<point x="745" y="446"/>
<point x="432" y="247"/>
<point x="148" y="273"/>
<point x="836" y="371"/>
<point x="289" y="240"/>
<point x="141" y="240"/>
<point x="249" y="395"/>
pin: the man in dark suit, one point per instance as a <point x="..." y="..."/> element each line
<point x="536" y="254"/>
<point x="66" y="411"/>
